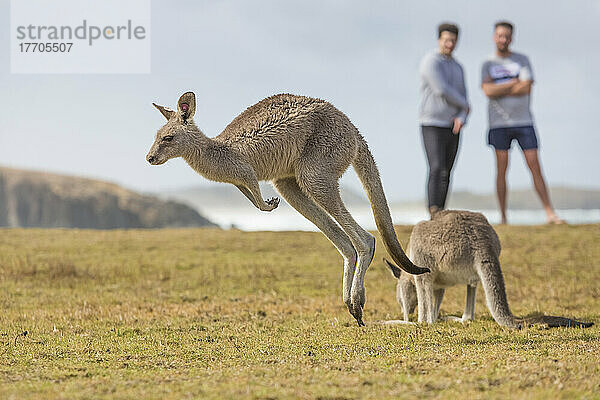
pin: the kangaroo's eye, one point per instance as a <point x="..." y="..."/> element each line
<point x="167" y="138"/>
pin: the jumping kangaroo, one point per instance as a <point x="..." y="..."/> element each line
<point x="303" y="146"/>
<point x="460" y="247"/>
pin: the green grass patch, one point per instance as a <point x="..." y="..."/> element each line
<point x="207" y="313"/>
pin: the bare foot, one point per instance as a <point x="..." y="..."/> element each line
<point x="555" y="220"/>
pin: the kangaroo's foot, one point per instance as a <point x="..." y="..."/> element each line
<point x="395" y="322"/>
<point x="452" y="318"/>
<point x="356" y="305"/>
<point x="353" y="301"/>
<point x="357" y="314"/>
<point x="357" y="302"/>
<point x="357" y="294"/>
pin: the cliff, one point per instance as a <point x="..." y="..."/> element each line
<point x="39" y="199"/>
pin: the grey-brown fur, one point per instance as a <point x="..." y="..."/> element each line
<point x="303" y="145"/>
<point x="460" y="247"/>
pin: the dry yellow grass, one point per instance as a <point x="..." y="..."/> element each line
<point x="195" y="313"/>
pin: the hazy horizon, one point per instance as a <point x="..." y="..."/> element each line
<point x="361" y="57"/>
<point x="354" y="190"/>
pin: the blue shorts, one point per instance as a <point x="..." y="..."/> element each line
<point x="501" y="138"/>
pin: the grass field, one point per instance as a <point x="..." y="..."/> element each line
<point x="195" y="313"/>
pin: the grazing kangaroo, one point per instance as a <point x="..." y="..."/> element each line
<point x="460" y="247"/>
<point x="303" y="145"/>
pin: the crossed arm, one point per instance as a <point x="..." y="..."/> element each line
<point x="514" y="87"/>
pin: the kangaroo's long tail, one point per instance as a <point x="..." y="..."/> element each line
<point x="495" y="295"/>
<point x="367" y="172"/>
<point x="492" y="281"/>
<point x="553" y="322"/>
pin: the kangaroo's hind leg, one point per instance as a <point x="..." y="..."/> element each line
<point x="469" y="312"/>
<point x="425" y="298"/>
<point x="291" y="192"/>
<point x="439" y="296"/>
<point x="470" y="303"/>
<point x="321" y="184"/>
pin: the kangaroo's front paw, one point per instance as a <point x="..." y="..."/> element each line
<point x="272" y="203"/>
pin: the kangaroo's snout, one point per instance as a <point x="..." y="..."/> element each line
<point x="150" y="159"/>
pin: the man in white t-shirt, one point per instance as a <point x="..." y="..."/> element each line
<point x="506" y="79"/>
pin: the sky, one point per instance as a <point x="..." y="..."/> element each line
<point x="361" y="56"/>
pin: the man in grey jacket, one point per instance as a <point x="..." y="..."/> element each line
<point x="443" y="113"/>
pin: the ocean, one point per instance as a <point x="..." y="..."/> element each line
<point x="287" y="219"/>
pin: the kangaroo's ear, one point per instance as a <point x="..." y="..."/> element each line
<point x="395" y="270"/>
<point x="187" y="105"/>
<point x="166" y="111"/>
